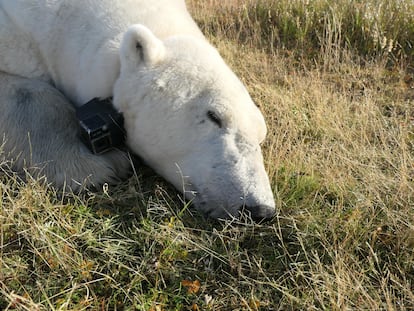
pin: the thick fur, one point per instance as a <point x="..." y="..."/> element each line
<point x="38" y="131"/>
<point x="186" y="113"/>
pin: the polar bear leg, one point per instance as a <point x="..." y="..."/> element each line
<point x="39" y="134"/>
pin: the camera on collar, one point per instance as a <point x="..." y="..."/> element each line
<point x="101" y="126"/>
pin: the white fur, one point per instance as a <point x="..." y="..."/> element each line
<point x="38" y="133"/>
<point x="165" y="78"/>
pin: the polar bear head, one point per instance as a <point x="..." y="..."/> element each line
<point x="191" y="119"/>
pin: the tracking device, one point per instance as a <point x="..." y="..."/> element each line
<point x="101" y="126"/>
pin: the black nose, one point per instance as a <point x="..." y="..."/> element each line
<point x="260" y="213"/>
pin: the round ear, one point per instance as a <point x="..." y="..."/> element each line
<point x="138" y="45"/>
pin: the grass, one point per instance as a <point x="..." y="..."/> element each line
<point x="335" y="82"/>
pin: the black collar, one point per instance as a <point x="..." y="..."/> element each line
<point x="101" y="125"/>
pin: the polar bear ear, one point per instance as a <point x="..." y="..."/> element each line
<point x="138" y="45"/>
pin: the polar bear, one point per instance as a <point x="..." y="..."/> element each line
<point x="186" y="113"/>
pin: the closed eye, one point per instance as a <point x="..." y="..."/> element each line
<point x="214" y="118"/>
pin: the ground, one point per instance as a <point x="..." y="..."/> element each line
<point x="335" y="83"/>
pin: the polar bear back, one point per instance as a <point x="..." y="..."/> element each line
<point x="54" y="39"/>
<point x="163" y="17"/>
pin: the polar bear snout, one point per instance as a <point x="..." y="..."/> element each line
<point x="260" y="206"/>
<point x="260" y="212"/>
<point x="226" y="195"/>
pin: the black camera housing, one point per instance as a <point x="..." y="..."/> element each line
<point x="101" y="126"/>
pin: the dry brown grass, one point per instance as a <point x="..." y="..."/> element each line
<point x="340" y="155"/>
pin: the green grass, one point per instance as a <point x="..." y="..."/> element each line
<point x="368" y="28"/>
<point x="340" y="156"/>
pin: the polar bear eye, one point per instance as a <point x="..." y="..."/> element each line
<point x="214" y="118"/>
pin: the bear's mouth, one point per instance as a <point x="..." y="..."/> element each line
<point x="214" y="208"/>
<point x="217" y="209"/>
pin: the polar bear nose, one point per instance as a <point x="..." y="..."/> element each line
<point x="261" y="212"/>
